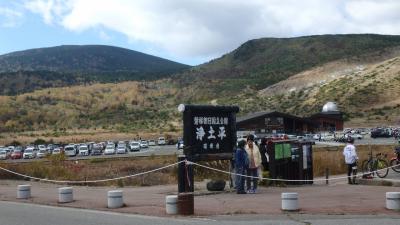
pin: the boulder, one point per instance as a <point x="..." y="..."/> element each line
<point x="216" y="185"/>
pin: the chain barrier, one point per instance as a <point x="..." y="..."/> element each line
<point x="186" y="164"/>
<point x="286" y="180"/>
<point x="89" y="181"/>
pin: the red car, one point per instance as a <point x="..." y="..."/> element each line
<point x="16" y="154"/>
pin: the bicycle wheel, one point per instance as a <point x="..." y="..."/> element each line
<point x="365" y="167"/>
<point x="395" y="164"/>
<point x="382" y="169"/>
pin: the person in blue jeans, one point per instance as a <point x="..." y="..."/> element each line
<point x="241" y="164"/>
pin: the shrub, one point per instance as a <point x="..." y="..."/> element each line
<point x="39" y="142"/>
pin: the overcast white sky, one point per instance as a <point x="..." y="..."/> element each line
<point x="187" y="31"/>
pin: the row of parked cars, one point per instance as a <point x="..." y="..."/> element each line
<point x="82" y="149"/>
<point x="385" y="132"/>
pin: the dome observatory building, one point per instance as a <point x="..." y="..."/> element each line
<point x="329" y="119"/>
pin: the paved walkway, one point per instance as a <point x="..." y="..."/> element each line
<point x="336" y="198"/>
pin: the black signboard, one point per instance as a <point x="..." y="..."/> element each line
<point x="209" y="130"/>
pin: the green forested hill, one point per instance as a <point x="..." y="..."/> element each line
<point x="262" y="62"/>
<point x="66" y="65"/>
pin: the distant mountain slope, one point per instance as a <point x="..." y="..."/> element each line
<point x="263" y="62"/>
<point x="67" y="65"/>
<point x="86" y="59"/>
<point x="294" y="75"/>
<point x="369" y="95"/>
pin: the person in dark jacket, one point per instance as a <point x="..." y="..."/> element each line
<point x="241" y="165"/>
<point x="263" y="151"/>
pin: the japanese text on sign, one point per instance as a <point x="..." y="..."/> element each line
<point x="210" y="120"/>
<point x="200" y="133"/>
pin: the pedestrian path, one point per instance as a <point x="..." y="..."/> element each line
<point x="335" y="198"/>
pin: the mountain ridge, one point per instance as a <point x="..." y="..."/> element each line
<point x="52" y="59"/>
<point x="66" y="65"/>
<point x="151" y="104"/>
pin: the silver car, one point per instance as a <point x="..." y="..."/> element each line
<point x="110" y="150"/>
<point x="3" y="154"/>
<point x="41" y="153"/>
<point x="121" y="149"/>
<point x="29" y="153"/>
<point x="134" y="146"/>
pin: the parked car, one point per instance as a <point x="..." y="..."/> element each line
<point x="134" y="146"/>
<point x="29" y="153"/>
<point x="42" y="147"/>
<point x="3" y="154"/>
<point x="307" y="138"/>
<point x="8" y="151"/>
<point x="381" y="132"/>
<point x="152" y="142"/>
<point x="291" y="137"/>
<point x="97" y="149"/>
<point x="316" y="137"/>
<point x="83" y="150"/>
<point x="50" y="148"/>
<point x="41" y="153"/>
<point x="121" y="149"/>
<point x="110" y="149"/>
<point x="70" y="150"/>
<point x="341" y="137"/>
<point x="144" y="144"/>
<point x="56" y="151"/>
<point x="327" y="137"/>
<point x="355" y="136"/>
<point x="16" y="154"/>
<point x="161" y="141"/>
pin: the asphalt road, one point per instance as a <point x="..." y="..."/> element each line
<point x="22" y="213"/>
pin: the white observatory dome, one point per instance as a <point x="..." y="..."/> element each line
<point x="330" y="107"/>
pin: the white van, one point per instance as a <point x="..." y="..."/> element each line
<point x="161" y="141"/>
<point x="70" y="150"/>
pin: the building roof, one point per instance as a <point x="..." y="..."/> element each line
<point x="252" y="116"/>
<point x="264" y="113"/>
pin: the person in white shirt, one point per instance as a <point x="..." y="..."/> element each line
<point x="350" y="158"/>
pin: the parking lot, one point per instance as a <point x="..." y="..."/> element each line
<point x="366" y="140"/>
<point x="151" y="150"/>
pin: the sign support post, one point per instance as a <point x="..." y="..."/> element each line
<point x="209" y="133"/>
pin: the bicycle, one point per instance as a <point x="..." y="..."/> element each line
<point x="376" y="165"/>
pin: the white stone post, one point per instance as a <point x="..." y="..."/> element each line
<point x="65" y="195"/>
<point x="24" y="191"/>
<point x="115" y="199"/>
<point x="171" y="206"/>
<point x="290" y="201"/>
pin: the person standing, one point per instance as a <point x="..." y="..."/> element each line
<point x="254" y="163"/>
<point x="241" y="164"/>
<point x="264" y="154"/>
<point x="350" y="158"/>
